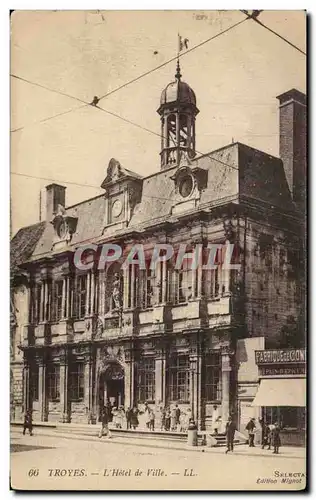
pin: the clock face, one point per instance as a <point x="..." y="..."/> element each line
<point x="117" y="208"/>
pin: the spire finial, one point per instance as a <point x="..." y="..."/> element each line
<point x="178" y="74"/>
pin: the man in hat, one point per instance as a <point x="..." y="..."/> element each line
<point x="28" y="424"/>
<point x="230" y="434"/>
<point x="250" y="427"/>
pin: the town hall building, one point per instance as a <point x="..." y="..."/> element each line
<point x="165" y="336"/>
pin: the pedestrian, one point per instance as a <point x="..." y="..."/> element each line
<point x="28" y="422"/>
<point x="167" y="419"/>
<point x="178" y="413"/>
<point x="250" y="427"/>
<point x="115" y="417"/>
<point x="173" y="419"/>
<point x="128" y="418"/>
<point x="157" y="411"/>
<point x="163" y="418"/>
<point x="265" y="435"/>
<point x="230" y="434"/>
<point x="152" y="420"/>
<point x="147" y="416"/>
<point x="134" y="417"/>
<point x="215" y="420"/>
<point x="105" y="423"/>
<point x="276" y="441"/>
<point x="120" y="417"/>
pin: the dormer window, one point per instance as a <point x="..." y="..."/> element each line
<point x="64" y="226"/>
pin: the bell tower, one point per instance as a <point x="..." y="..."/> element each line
<point x="177" y="111"/>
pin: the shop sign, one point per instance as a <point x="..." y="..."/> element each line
<point x="275" y="371"/>
<point x="280" y="356"/>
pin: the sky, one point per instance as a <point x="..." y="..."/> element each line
<point x="236" y="78"/>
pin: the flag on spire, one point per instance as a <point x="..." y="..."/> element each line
<point x="183" y="43"/>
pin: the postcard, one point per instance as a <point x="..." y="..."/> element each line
<point x="158" y="250"/>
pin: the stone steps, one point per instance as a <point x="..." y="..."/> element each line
<point x="94" y="429"/>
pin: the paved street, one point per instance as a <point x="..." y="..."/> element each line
<point x="54" y="462"/>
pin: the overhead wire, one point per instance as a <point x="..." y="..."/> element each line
<point x="121" y="86"/>
<point x="181" y="54"/>
<point x="86" y="104"/>
<point x="249" y="16"/>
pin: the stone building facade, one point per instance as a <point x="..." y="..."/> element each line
<point x="165" y="335"/>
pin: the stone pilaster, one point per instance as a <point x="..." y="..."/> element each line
<point x="26" y="386"/>
<point x="160" y="376"/>
<point x="92" y="294"/>
<point x="88" y="386"/>
<point x="42" y="390"/>
<point x="129" y="376"/>
<point x="195" y="368"/>
<point x="64" y="363"/>
<point x="226" y="376"/>
<point x="87" y="306"/>
<point x="64" y="299"/>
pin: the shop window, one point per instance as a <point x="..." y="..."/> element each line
<point x="53" y="382"/>
<point x="213" y="377"/>
<point x="76" y="381"/>
<point x="146" y="380"/>
<point x="179" y="379"/>
<point x="288" y="417"/>
<point x="34" y="381"/>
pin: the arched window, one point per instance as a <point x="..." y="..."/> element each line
<point x="184" y="131"/>
<point x="171" y="131"/>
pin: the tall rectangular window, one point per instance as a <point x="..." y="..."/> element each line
<point x="80" y="294"/>
<point x="146" y="380"/>
<point x="53" y="382"/>
<point x="181" y="286"/>
<point x="76" y="381"/>
<point x="214" y="284"/>
<point x="34" y="380"/>
<point x="179" y="379"/>
<point x="38" y="305"/>
<point x="213" y="377"/>
<point x="57" y="300"/>
<point x="147" y="284"/>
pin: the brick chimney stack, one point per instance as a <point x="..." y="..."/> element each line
<point x="293" y="143"/>
<point x="55" y="195"/>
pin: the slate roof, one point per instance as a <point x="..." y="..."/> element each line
<point x="234" y="171"/>
<point x="23" y="244"/>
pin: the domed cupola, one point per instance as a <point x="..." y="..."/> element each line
<point x="178" y="111"/>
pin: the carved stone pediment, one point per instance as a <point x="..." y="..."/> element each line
<point x="123" y="190"/>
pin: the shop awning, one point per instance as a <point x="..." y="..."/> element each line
<point x="281" y="392"/>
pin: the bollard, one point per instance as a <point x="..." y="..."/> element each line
<point x="192" y="434"/>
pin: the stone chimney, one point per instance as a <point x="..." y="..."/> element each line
<point x="293" y="143"/>
<point x="55" y="195"/>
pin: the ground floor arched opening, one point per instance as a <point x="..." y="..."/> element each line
<point x="111" y="386"/>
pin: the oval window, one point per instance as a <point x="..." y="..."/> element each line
<point x="186" y="186"/>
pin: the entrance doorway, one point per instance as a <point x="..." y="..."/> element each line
<point x="111" y="387"/>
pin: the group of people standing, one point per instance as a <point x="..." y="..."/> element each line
<point x="149" y="418"/>
<point x="158" y="418"/>
<point x="270" y="434"/>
